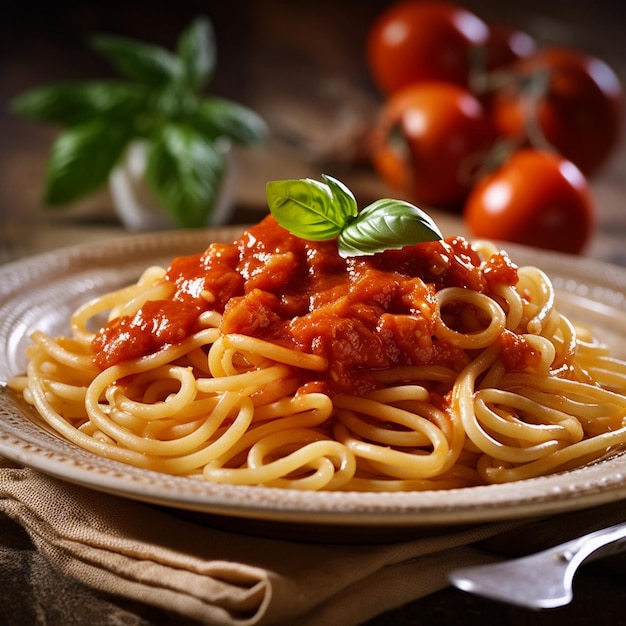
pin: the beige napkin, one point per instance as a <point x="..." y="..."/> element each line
<point x="142" y="553"/>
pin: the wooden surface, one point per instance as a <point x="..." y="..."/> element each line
<point x="301" y="65"/>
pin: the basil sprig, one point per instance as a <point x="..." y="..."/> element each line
<point x="318" y="211"/>
<point x="159" y="100"/>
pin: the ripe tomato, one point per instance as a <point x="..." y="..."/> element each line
<point x="506" y="45"/>
<point x="415" y="41"/>
<point x="579" y="113"/>
<point x="428" y="141"/>
<point x="536" y="198"/>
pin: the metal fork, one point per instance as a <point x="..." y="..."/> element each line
<point x="542" y="580"/>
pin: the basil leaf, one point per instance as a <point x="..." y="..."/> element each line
<point x="145" y="63"/>
<point x="386" y="225"/>
<point x="217" y="117"/>
<point x="308" y="209"/>
<point x="343" y="198"/>
<point x="69" y="104"/>
<point x="185" y="171"/>
<point x="81" y="160"/>
<point x="166" y="104"/>
<point x="197" y="51"/>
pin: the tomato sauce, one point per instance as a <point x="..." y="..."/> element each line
<point x="361" y="313"/>
<point x="517" y="353"/>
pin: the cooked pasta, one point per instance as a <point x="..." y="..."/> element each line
<point x="274" y="362"/>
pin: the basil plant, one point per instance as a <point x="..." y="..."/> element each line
<point x="158" y="100"/>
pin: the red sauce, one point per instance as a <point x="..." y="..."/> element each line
<point x="500" y="270"/>
<point x="157" y="324"/>
<point x="361" y="313"/>
<point x="517" y="353"/>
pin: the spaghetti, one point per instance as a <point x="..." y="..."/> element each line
<point x="272" y="361"/>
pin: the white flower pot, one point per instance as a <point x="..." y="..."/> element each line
<point x="139" y="210"/>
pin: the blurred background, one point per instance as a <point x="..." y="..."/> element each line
<point x="301" y="65"/>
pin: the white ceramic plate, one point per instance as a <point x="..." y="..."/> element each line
<point x="40" y="293"/>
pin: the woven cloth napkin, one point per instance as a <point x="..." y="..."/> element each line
<point x="145" y="554"/>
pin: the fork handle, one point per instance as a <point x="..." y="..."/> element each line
<point x="600" y="543"/>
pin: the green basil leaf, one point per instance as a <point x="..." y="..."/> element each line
<point x="217" y="117"/>
<point x="185" y="171"/>
<point x="145" y="63"/>
<point x="197" y="51"/>
<point x="308" y="208"/>
<point x="386" y="225"/>
<point x="69" y="104"/>
<point x="166" y="104"/>
<point x="343" y="198"/>
<point x="81" y="160"/>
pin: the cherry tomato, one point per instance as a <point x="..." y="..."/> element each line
<point x="506" y="45"/>
<point x="536" y="198"/>
<point x="579" y="113"/>
<point x="415" y="41"/>
<point x="428" y="142"/>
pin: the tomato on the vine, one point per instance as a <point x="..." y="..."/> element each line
<point x="577" y="110"/>
<point x="416" y="41"/>
<point x="507" y="45"/>
<point x="428" y="141"/>
<point x="536" y="198"/>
